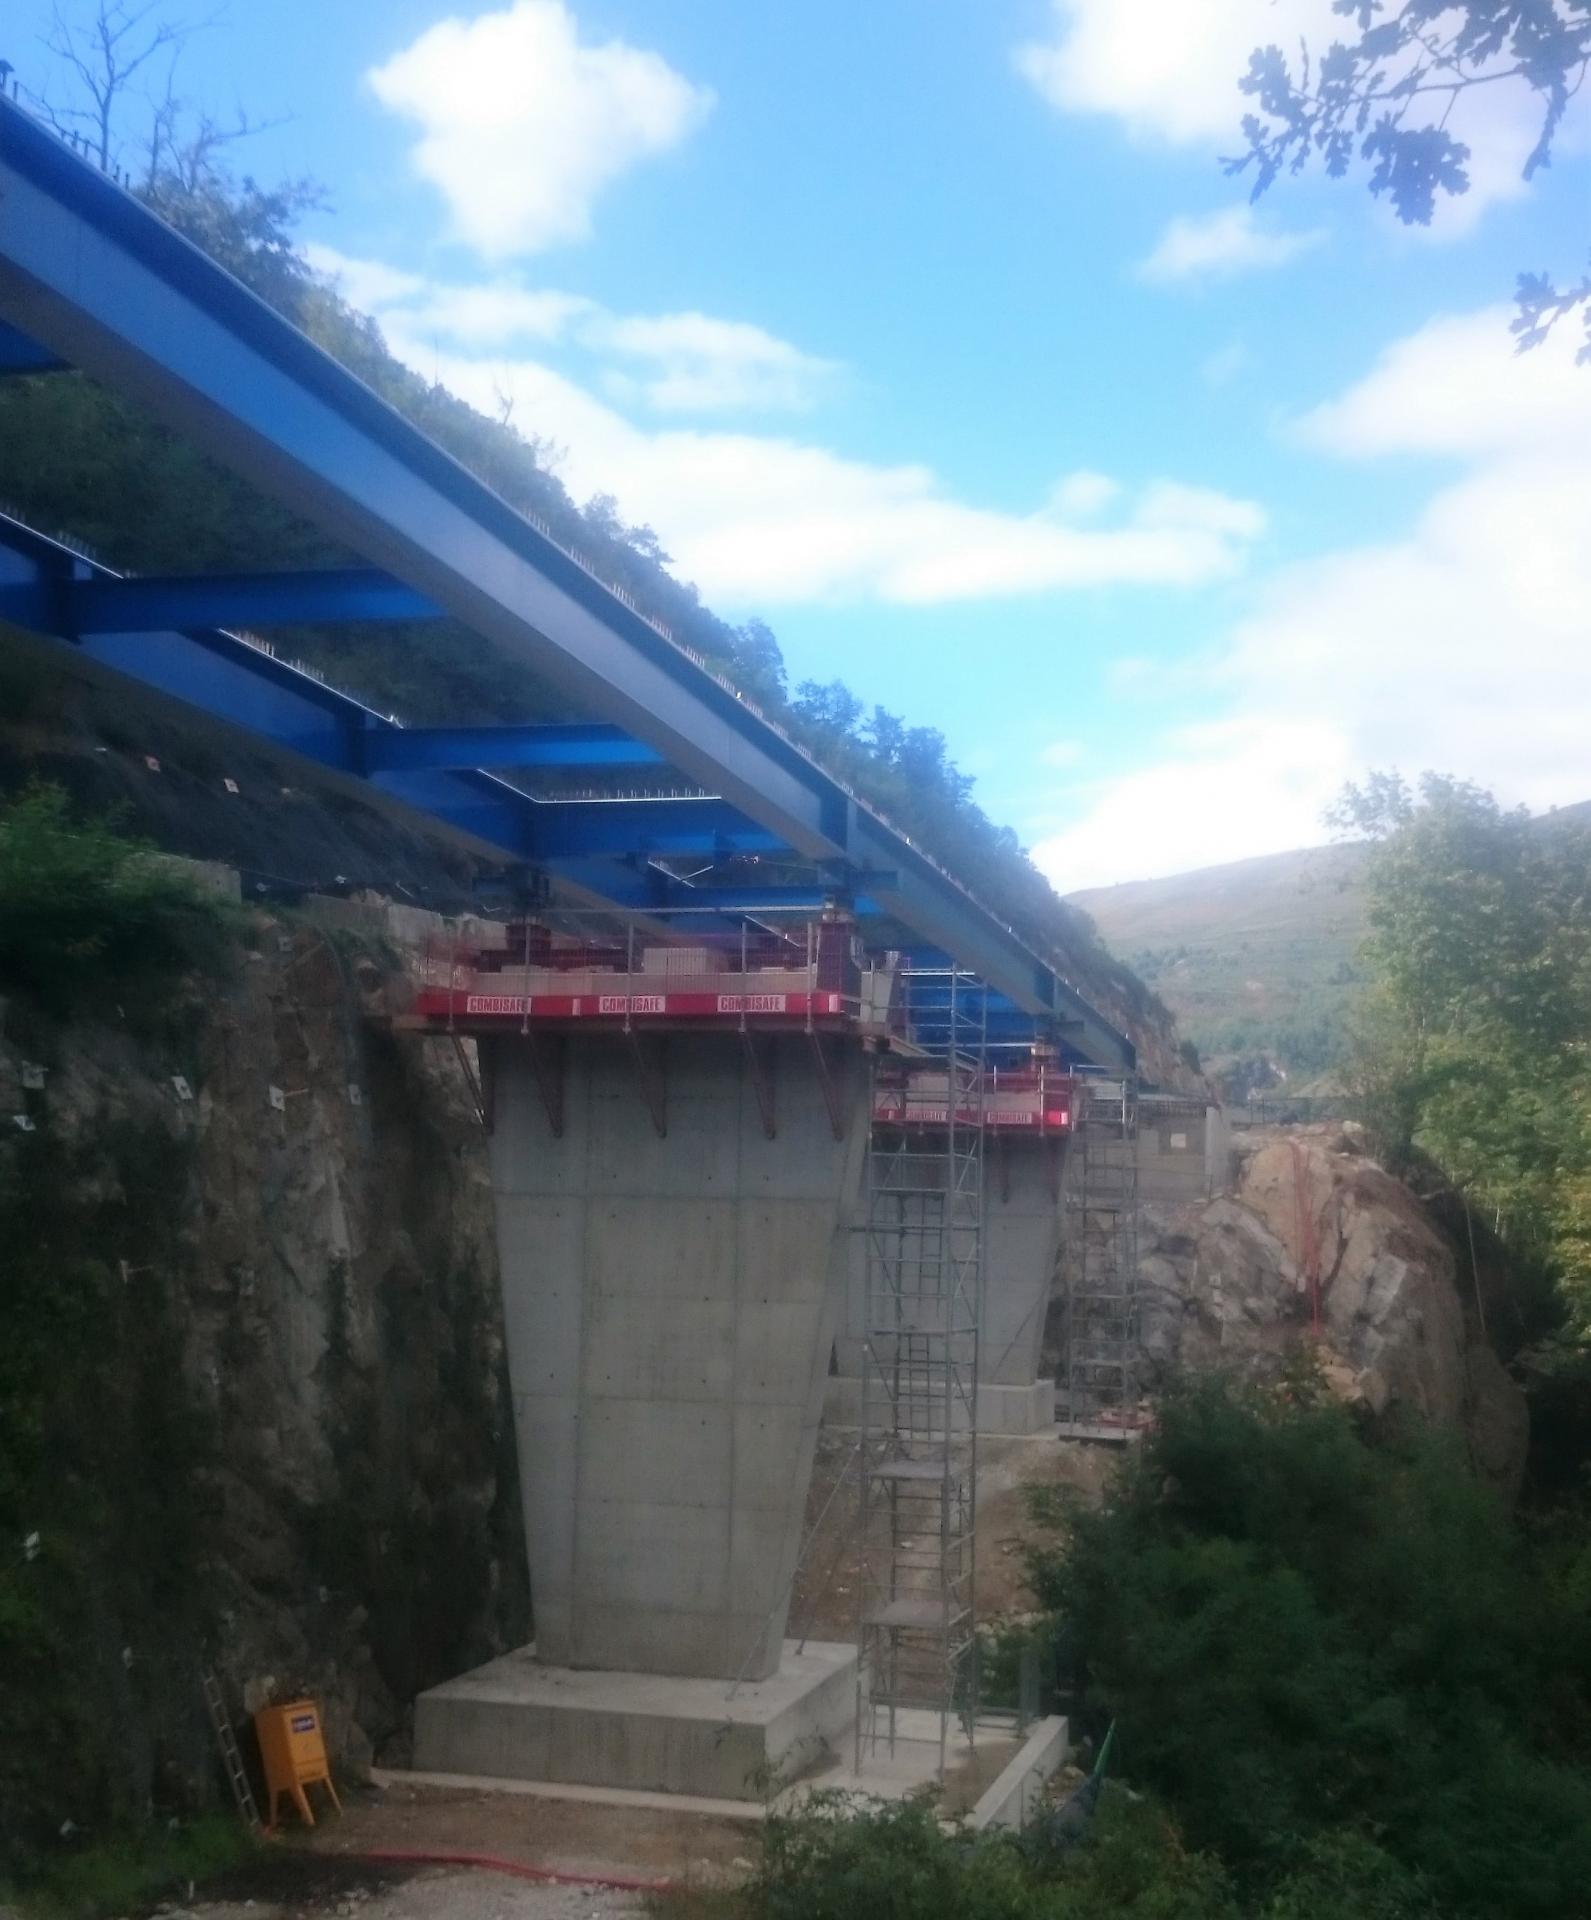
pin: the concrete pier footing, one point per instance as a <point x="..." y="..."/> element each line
<point x="518" y="1719"/>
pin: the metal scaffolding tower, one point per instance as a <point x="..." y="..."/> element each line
<point x="924" y="1253"/>
<point x="1099" y="1389"/>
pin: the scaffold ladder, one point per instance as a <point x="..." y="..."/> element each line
<point x="1100" y="1330"/>
<point x="916" y="1628"/>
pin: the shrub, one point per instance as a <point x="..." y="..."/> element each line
<point x="83" y="907"/>
<point x="837" y="1858"/>
<point x="1303" y="1635"/>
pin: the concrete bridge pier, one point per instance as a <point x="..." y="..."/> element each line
<point x="1021" y="1246"/>
<point x="671" y="1276"/>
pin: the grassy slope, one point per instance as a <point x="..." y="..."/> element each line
<point x="1256" y="958"/>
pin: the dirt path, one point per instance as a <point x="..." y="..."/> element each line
<point x="445" y="1894"/>
<point x="566" y="1836"/>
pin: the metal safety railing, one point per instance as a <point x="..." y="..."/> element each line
<point x="679" y="961"/>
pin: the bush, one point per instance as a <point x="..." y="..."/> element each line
<point x="84" y="908"/>
<point x="841" y="1859"/>
<point x="1303" y="1636"/>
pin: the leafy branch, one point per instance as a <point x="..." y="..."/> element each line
<point x="1385" y="99"/>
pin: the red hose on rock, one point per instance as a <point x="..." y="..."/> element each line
<point x="493" y="1863"/>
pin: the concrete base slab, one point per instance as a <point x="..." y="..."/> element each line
<point x="1024" y="1409"/>
<point x="581" y="1796"/>
<point x="517" y="1719"/>
<point x="911" y="1765"/>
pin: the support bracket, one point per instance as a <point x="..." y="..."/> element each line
<point x="653" y="1082"/>
<point x="761" y="1072"/>
<point x="826" y="1080"/>
<point x="477" y="1087"/>
<point x="548" y="1055"/>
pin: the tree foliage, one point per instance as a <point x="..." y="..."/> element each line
<point x="1383" y="98"/>
<point x="1315" y="1646"/>
<point x="1474" y="1038"/>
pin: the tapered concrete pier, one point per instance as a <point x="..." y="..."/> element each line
<point x="670" y="1299"/>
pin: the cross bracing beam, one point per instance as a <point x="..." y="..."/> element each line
<point x="319" y="598"/>
<point x="579" y="829"/>
<point x="94" y="277"/>
<point x="574" y="745"/>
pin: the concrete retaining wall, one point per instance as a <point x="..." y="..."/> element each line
<point x="1018" y="1790"/>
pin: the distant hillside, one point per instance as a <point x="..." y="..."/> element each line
<point x="1257" y="959"/>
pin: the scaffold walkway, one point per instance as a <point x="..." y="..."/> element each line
<point x="1098" y="1387"/>
<point x="916" y="1625"/>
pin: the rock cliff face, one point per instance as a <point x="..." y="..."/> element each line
<point x="1232" y="1282"/>
<point x="254" y="1245"/>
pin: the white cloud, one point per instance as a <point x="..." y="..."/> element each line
<point x="368" y="285"/>
<point x="522" y="126"/>
<point x="1169" y="70"/>
<point x="703" y="365"/>
<point x="1462" y="646"/>
<point x="1084" y="493"/>
<point x="761" y="520"/>
<point x="1454" y="388"/>
<point x="671" y="362"/>
<point x="1228" y="241"/>
<point x="1220" y="792"/>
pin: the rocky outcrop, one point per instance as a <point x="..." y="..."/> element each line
<point x="1314" y="1240"/>
<point x="298" y="1202"/>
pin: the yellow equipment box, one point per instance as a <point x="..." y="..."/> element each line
<point x="293" y="1750"/>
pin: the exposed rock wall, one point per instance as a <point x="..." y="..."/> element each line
<point x="1229" y="1283"/>
<point x="324" y="1263"/>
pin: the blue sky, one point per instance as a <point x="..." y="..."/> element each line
<point x="934" y="335"/>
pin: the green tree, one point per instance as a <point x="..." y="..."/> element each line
<point x="1382" y="96"/>
<point x="1474" y="1035"/>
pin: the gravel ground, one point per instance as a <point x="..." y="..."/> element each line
<point x="442" y="1894"/>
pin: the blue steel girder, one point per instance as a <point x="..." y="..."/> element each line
<point x="94" y="277"/>
<point x="19" y="354"/>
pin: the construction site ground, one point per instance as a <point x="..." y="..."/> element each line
<point x="328" y="1871"/>
<point x="433" y="1893"/>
